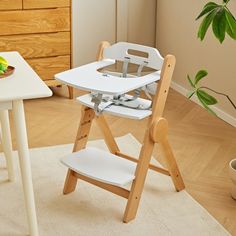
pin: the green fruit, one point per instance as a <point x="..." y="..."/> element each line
<point x="1" y="72"/>
<point x="3" y="61"/>
<point x="3" y="67"/>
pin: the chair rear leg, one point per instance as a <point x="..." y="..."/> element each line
<point x="172" y="166"/>
<point x="159" y="134"/>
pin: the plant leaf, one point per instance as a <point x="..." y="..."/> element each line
<point x="207" y="8"/>
<point x="207" y="98"/>
<point x="219" y="25"/>
<point x="206" y="23"/>
<point x="205" y="105"/>
<point x="200" y="74"/>
<point x="190" y="81"/>
<point x="230" y="24"/>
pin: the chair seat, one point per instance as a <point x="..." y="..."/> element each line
<point x="102" y="166"/>
<point x="120" y="111"/>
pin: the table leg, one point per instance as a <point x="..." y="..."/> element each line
<point x="6" y="143"/>
<point x="23" y="151"/>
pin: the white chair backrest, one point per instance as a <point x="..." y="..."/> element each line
<point x="120" y="51"/>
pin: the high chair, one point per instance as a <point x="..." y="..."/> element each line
<point x="113" y="171"/>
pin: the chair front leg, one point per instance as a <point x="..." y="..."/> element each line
<point x="87" y="116"/>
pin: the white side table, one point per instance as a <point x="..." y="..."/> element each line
<point x="23" y="84"/>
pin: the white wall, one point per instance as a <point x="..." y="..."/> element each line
<point x="93" y="21"/>
<point x="142" y="22"/>
<point x="111" y="20"/>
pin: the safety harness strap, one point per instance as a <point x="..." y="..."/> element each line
<point x="121" y="100"/>
<point x="125" y="67"/>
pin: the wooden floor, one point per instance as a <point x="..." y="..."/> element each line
<point x="203" y="144"/>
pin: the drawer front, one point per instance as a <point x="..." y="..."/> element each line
<point x="8" y="5"/>
<point x="34" y="21"/>
<point x="46" y="68"/>
<point x="32" y="4"/>
<point x="37" y="45"/>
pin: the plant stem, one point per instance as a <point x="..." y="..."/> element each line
<point x="226" y="3"/>
<point x="223" y="94"/>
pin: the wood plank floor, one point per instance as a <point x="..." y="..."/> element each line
<point x="202" y="143"/>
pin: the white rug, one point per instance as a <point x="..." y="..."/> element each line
<point x="93" y="211"/>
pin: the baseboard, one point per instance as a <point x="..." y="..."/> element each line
<point x="220" y="113"/>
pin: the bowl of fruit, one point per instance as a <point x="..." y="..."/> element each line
<point x="5" y="69"/>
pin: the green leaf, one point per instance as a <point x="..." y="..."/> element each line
<point x="1" y="72"/>
<point x="230" y="24"/>
<point x="207" y="8"/>
<point x="205" y="105"/>
<point x="190" y="81"/>
<point x="219" y="25"/>
<point x="200" y="74"/>
<point x="206" y="23"/>
<point x="208" y="99"/>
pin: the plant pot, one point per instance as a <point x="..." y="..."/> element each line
<point x="232" y="174"/>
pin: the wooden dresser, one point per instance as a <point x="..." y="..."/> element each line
<point x="41" y="31"/>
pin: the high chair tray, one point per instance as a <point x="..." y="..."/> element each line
<point x="121" y="111"/>
<point x="102" y="166"/>
<point x="87" y="77"/>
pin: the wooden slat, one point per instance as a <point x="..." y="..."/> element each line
<point x="34" y="21"/>
<point x="37" y="45"/>
<point x="111" y="188"/>
<point x="46" y="68"/>
<point x="151" y="166"/>
<point x="33" y="4"/>
<point x="9" y="5"/>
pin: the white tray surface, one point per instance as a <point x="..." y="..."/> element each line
<point x="88" y="78"/>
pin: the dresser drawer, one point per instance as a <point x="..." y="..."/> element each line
<point x="34" y="21"/>
<point x="9" y="5"/>
<point x="32" y="4"/>
<point x="46" y="68"/>
<point x="37" y="45"/>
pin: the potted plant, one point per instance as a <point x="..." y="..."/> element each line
<point x="223" y="23"/>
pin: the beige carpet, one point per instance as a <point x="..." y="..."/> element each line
<point x="93" y="211"/>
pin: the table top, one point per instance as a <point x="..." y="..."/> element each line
<point x="89" y="78"/>
<point x="24" y="83"/>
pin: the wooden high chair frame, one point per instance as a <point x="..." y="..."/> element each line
<point x="156" y="132"/>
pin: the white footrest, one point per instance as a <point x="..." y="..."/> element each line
<point x="102" y="166"/>
<point x="121" y="111"/>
